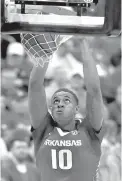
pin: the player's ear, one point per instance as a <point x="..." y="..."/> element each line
<point x="50" y="108"/>
<point x="77" y="109"/>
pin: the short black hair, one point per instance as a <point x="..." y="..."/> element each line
<point x="67" y="90"/>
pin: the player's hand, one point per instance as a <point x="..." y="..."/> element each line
<point x="85" y="48"/>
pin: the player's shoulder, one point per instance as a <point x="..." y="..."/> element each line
<point x="42" y="131"/>
<point x="48" y="122"/>
<point x="95" y="135"/>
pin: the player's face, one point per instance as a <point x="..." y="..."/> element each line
<point x="64" y="108"/>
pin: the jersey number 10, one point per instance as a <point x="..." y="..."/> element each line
<point x="61" y="159"/>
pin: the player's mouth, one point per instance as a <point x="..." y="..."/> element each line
<point x="59" y="111"/>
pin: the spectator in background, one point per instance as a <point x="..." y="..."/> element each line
<point x="19" y="165"/>
<point x="9" y="114"/>
<point x="111" y="131"/>
<point x="115" y="109"/>
<point x="18" y="142"/>
<point x="15" y="55"/>
<point x="110" y="83"/>
<point x="15" y="75"/>
<point x="15" y="84"/>
<point x="17" y="58"/>
<point x="109" y="168"/>
<point x="110" y="163"/>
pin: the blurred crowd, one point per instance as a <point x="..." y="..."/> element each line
<point x="65" y="70"/>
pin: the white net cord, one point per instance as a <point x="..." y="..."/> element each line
<point x="41" y="47"/>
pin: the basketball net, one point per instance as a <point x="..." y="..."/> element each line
<point x="41" y="47"/>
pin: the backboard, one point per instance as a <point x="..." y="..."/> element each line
<point x="99" y="17"/>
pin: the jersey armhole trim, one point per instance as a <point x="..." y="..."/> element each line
<point x="97" y="131"/>
<point x="47" y="116"/>
<point x="32" y="129"/>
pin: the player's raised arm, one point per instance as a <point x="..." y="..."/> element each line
<point x="37" y="97"/>
<point x="94" y="102"/>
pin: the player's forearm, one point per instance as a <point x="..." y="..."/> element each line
<point x="91" y="76"/>
<point x="37" y="97"/>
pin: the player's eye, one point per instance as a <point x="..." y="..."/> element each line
<point x="67" y="101"/>
<point x="56" y="101"/>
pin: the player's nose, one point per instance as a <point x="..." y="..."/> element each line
<point x="60" y="105"/>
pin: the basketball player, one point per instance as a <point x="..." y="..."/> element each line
<point x="67" y="149"/>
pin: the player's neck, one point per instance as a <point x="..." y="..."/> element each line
<point x="69" y="127"/>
